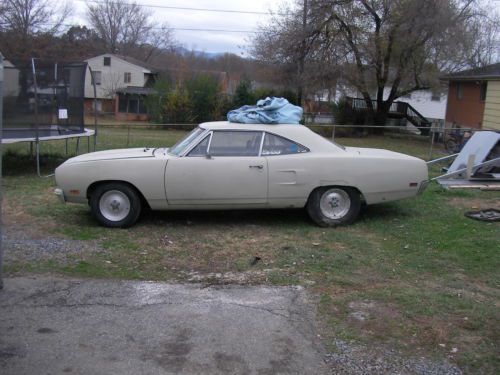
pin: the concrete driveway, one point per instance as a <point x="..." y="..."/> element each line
<point x="55" y="326"/>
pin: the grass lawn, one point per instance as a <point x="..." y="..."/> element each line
<point x="414" y="275"/>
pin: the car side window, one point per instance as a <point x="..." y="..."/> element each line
<point x="235" y="143"/>
<point x="201" y="148"/>
<point x="276" y="145"/>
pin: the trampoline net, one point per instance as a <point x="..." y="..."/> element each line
<point x="47" y="103"/>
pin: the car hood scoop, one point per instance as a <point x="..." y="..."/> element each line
<point x="126" y="153"/>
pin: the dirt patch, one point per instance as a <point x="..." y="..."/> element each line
<point x="222" y="278"/>
<point x="15" y="216"/>
<point x="474" y="203"/>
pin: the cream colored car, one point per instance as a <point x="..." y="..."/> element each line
<point x="222" y="165"/>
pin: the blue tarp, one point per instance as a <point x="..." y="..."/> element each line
<point x="267" y="111"/>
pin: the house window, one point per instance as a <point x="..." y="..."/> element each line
<point x="436" y="96"/>
<point x="96" y="77"/>
<point x="459" y="90"/>
<point x="122" y="103"/>
<point x="482" y="93"/>
<point x="131" y="104"/>
<point x="107" y="61"/>
<point x="127" y="77"/>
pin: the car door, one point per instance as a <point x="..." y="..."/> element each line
<point x="225" y="168"/>
<point x="289" y="171"/>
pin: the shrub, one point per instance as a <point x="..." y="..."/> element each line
<point x="203" y="92"/>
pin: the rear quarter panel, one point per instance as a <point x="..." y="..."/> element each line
<point x="379" y="179"/>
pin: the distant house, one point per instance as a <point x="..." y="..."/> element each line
<point x="474" y="98"/>
<point x="122" y="83"/>
<point x="429" y="103"/>
<point x="11" y="87"/>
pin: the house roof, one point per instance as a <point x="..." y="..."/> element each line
<point x="137" y="62"/>
<point x="131" y="60"/>
<point x="489" y="72"/>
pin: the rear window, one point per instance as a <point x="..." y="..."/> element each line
<point x="276" y="145"/>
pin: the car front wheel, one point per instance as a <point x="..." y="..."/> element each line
<point x="332" y="206"/>
<point x="115" y="205"/>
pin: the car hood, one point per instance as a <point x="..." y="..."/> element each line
<point x="379" y="153"/>
<point x="126" y="153"/>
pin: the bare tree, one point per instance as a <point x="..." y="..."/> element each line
<point x="30" y="17"/>
<point x="399" y="44"/>
<point x="127" y="28"/>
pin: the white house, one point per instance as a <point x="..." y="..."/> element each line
<point x="114" y="74"/>
<point x="11" y="86"/>
<point x="430" y="104"/>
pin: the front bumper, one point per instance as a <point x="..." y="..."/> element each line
<point x="60" y="194"/>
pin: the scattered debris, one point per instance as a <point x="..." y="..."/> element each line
<point x="489" y="214"/>
<point x="255" y="260"/>
<point x="360" y="310"/>
<point x="167" y="241"/>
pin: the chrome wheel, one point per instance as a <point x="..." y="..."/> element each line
<point x="335" y="203"/>
<point x="114" y="205"/>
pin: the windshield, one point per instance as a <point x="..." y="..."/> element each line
<point x="183" y="143"/>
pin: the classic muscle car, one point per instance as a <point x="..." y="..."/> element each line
<point x="222" y="165"/>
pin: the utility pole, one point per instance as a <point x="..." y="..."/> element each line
<point x="302" y="55"/>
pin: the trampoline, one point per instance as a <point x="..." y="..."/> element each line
<point x="44" y="101"/>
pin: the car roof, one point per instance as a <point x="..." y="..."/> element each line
<point x="294" y="132"/>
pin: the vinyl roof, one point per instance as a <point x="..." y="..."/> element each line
<point x="294" y="132"/>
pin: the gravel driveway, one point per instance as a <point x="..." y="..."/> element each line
<point x="94" y="325"/>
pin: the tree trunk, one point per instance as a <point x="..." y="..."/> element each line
<point x="380" y="118"/>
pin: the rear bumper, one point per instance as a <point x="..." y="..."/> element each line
<point x="423" y="186"/>
<point x="60" y="194"/>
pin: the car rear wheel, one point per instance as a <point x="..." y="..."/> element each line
<point x="332" y="206"/>
<point x="115" y="205"/>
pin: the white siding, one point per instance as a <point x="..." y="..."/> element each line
<point x="112" y="77"/>
<point x="420" y="100"/>
<point x="491" y="117"/>
<point x="423" y="103"/>
<point x="10" y="79"/>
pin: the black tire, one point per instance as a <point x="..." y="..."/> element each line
<point x="331" y="219"/>
<point x="116" y="197"/>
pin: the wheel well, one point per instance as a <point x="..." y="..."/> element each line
<point x="94" y="185"/>
<point x="336" y="186"/>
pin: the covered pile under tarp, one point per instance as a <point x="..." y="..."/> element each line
<point x="476" y="166"/>
<point x="267" y="111"/>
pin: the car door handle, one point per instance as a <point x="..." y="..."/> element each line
<point x="260" y="166"/>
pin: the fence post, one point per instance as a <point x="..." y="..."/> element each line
<point x="432" y="140"/>
<point x="128" y="134"/>
<point x="333" y="132"/>
<point x="1" y="196"/>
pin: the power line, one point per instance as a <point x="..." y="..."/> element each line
<point x="168" y="28"/>
<point x="213" y="30"/>
<point x="183" y="8"/>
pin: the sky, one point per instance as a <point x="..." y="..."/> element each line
<point x="212" y="41"/>
<point x="207" y="41"/>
